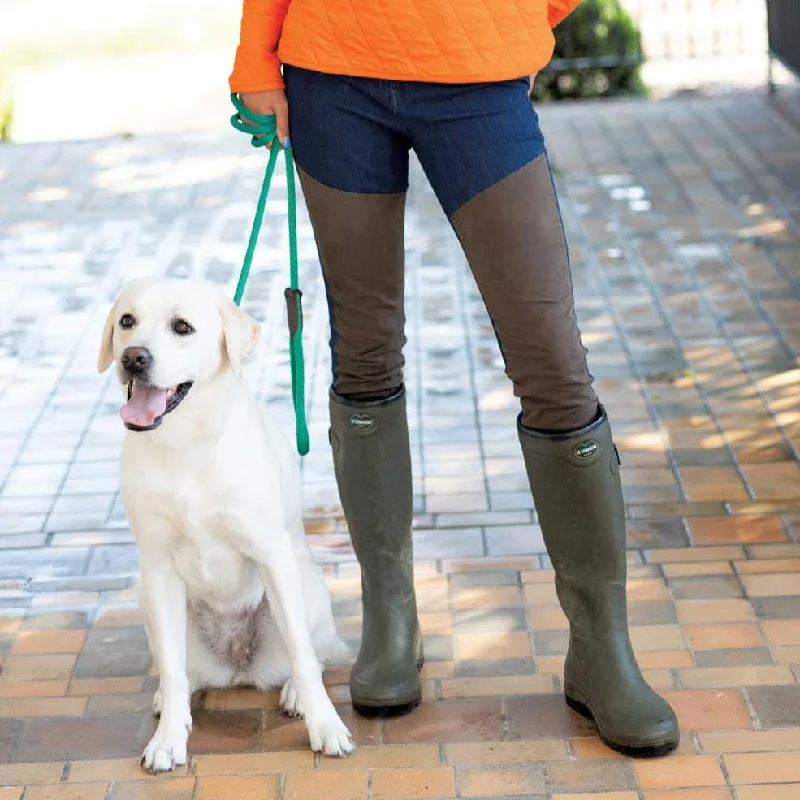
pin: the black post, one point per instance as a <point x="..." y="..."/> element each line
<point x="783" y="37"/>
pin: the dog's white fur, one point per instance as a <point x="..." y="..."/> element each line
<point x="213" y="497"/>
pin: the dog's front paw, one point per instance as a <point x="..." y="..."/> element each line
<point x="329" y="735"/>
<point x="166" y="750"/>
<point x="289" y="702"/>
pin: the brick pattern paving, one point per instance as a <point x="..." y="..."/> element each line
<point x="684" y="222"/>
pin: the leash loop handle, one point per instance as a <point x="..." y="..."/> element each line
<point x="263" y="131"/>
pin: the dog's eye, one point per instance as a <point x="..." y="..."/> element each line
<point x="182" y="327"/>
<point x="127" y="321"/>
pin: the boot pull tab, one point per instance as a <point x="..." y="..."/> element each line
<point x="616" y="462"/>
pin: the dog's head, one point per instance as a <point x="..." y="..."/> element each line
<point x="167" y="336"/>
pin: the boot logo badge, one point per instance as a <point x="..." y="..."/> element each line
<point x="362" y="422"/>
<point x="586" y="449"/>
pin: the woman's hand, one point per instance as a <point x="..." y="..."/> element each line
<point x="270" y="103"/>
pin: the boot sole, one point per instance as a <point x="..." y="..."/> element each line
<point x="635" y="751"/>
<point x="387" y="711"/>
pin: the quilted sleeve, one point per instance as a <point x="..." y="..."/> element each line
<point x="256" y="67"/>
<point x="558" y="10"/>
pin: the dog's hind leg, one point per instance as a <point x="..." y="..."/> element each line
<point x="290" y="703"/>
<point x="193" y="656"/>
<point x="204" y="669"/>
<point x="271" y="668"/>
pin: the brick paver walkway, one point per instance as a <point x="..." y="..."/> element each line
<point x="684" y="221"/>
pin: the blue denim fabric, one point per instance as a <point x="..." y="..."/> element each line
<point x="355" y="134"/>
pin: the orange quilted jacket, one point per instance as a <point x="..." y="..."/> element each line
<point x="443" y="41"/>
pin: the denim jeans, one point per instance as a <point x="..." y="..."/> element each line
<point x="355" y="134"/>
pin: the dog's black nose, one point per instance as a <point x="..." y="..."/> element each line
<point x="136" y="359"/>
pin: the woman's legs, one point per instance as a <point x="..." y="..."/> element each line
<point x="508" y="221"/>
<point x="353" y="161"/>
<point x="484" y="154"/>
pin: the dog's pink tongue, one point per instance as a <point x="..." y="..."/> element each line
<point x="144" y="406"/>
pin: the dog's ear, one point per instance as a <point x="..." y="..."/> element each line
<point x="239" y="332"/>
<point x="105" y="355"/>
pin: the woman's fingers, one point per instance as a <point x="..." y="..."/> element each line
<point x="272" y="103"/>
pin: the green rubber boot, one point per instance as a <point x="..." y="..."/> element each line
<point x="578" y="495"/>
<point x="372" y="460"/>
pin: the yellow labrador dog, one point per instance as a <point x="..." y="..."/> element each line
<point x="212" y="489"/>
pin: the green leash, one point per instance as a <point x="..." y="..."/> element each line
<point x="264" y="132"/>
